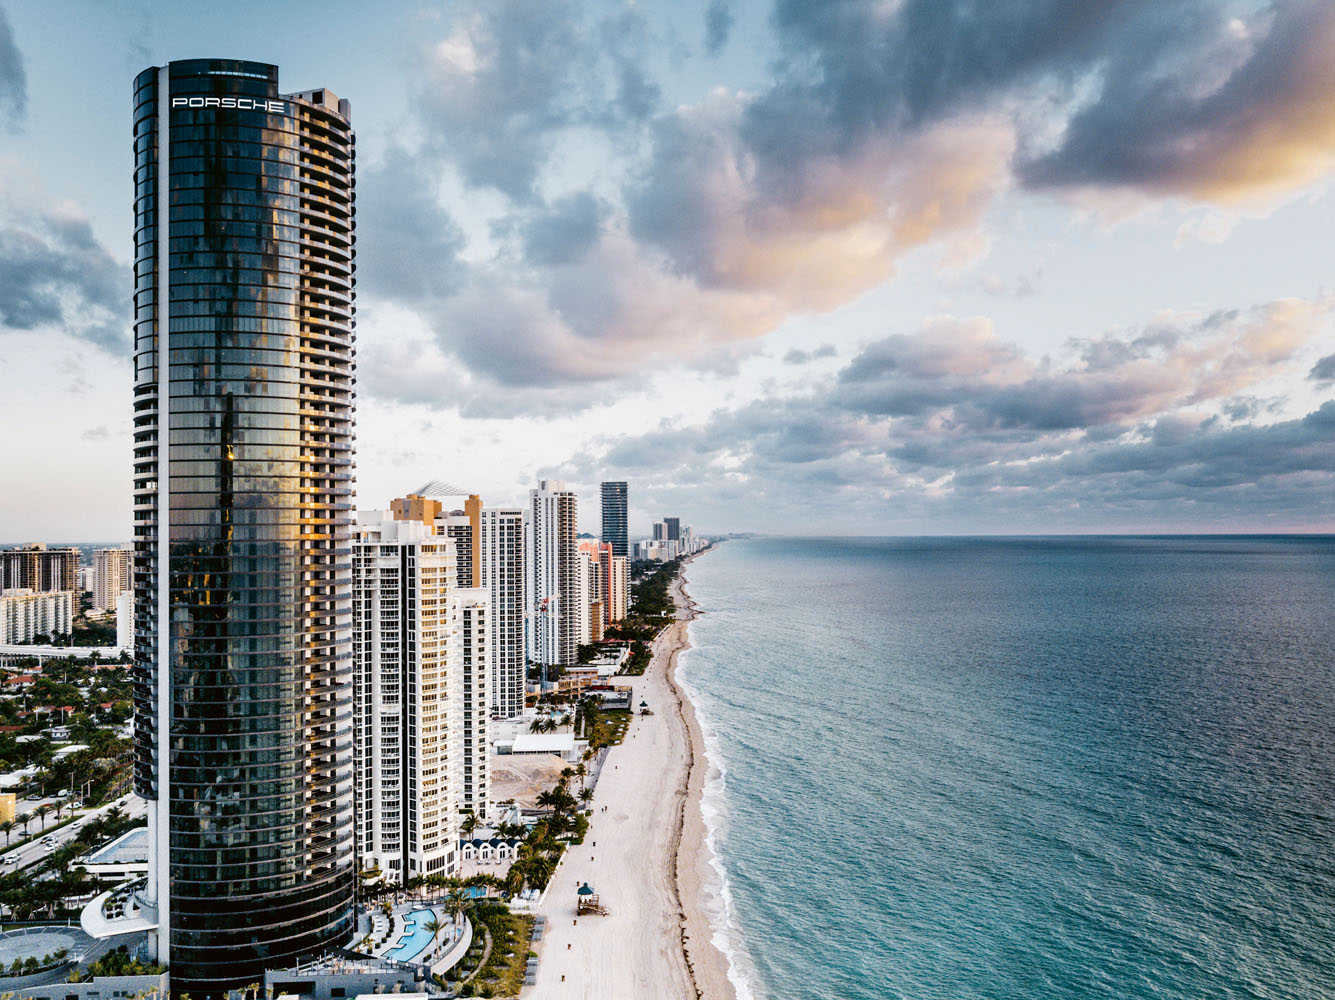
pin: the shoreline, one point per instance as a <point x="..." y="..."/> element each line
<point x="707" y="966"/>
<point x="645" y="857"/>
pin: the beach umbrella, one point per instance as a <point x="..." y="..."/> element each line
<point x="643" y="703"/>
<point x="585" y="890"/>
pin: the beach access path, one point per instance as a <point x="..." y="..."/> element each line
<point x="646" y="825"/>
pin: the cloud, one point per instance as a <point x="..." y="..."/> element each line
<point x="953" y="426"/>
<point x="1166" y="99"/>
<point x="409" y="244"/>
<point x="620" y="235"/>
<point x="1323" y="370"/>
<point x="511" y="76"/>
<point x="601" y="316"/>
<point x="13" y="78"/>
<point x="1208" y="228"/>
<point x="800" y="357"/>
<point x="815" y="239"/>
<point x="1240" y="114"/>
<point x="961" y="374"/>
<point x="566" y="231"/>
<point x="719" y="20"/>
<point x="55" y="273"/>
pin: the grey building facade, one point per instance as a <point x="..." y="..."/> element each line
<point x="615" y="516"/>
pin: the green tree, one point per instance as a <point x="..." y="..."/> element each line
<point x="435" y="927"/>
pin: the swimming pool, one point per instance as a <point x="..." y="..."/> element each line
<point x="415" y="938"/>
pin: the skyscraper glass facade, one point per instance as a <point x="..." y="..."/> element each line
<point x="243" y="410"/>
<point x="615" y="520"/>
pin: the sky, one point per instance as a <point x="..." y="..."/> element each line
<point x="892" y="267"/>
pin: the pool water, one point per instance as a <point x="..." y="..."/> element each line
<point x="416" y="937"/>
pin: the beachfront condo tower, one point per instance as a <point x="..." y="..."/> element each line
<point x="243" y="479"/>
<point x="615" y="498"/>
<point x="553" y="575"/>
<point x="464" y="525"/>
<point x="502" y="554"/>
<point x="410" y="695"/>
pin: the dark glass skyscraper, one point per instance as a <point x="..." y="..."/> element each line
<point x="615" y="497"/>
<point x="243" y="411"/>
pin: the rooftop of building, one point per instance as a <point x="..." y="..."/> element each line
<point x="559" y="743"/>
<point x="129" y="848"/>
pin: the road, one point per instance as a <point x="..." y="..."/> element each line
<point x="134" y="807"/>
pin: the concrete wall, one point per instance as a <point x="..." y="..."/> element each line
<point x="101" y="988"/>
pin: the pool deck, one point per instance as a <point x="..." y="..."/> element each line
<point x="419" y="914"/>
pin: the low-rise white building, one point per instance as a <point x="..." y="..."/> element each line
<point x="27" y="613"/>
<point x="563" y="745"/>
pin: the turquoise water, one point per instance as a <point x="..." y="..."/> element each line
<point x="417" y="938"/>
<point x="994" y="769"/>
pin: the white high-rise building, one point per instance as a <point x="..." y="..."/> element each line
<point x="409" y="691"/>
<point x="112" y="573"/>
<point x="552" y="573"/>
<point x="474" y="614"/>
<point x="618" y="588"/>
<point x="490" y="553"/>
<point x="125" y="619"/>
<point x="502" y="558"/>
<point x="584" y="595"/>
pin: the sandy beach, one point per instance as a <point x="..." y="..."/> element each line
<point x="646" y="858"/>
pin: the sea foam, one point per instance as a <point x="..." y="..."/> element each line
<point x="715" y="893"/>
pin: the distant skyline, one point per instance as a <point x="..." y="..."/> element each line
<point x="883" y="268"/>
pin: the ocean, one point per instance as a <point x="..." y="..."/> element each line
<point x="1020" y="768"/>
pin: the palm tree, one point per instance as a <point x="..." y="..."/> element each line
<point x="42" y="813"/>
<point x="435" y="927"/>
<point x="7" y="826"/>
<point x="456" y="903"/>
<point x="469" y="824"/>
<point x="585" y="795"/>
<point x="514" y="880"/>
<point x="582" y="772"/>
